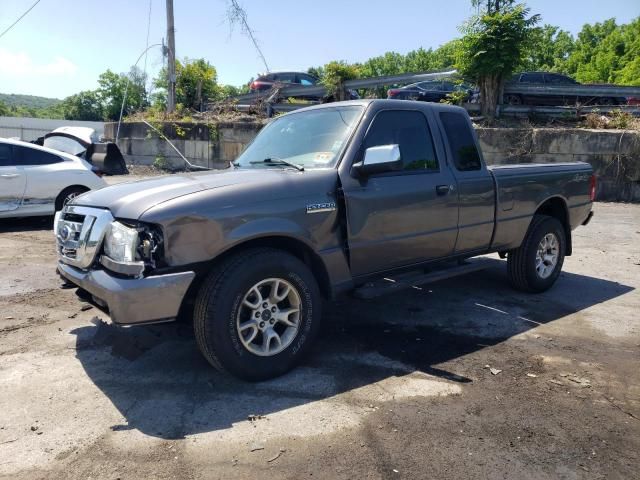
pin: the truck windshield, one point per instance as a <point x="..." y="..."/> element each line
<point x="311" y="139"/>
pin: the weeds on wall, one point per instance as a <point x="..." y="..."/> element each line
<point x="617" y="120"/>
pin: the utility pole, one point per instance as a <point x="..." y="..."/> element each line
<point x="171" y="59"/>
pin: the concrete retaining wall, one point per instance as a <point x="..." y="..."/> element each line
<point x="614" y="154"/>
<point x="210" y="145"/>
<point x="28" y="129"/>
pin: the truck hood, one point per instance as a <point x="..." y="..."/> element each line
<point x="130" y="200"/>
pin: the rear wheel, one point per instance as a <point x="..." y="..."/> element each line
<point x="536" y="265"/>
<point x="513" y="99"/>
<point x="67" y="195"/>
<point x="257" y="314"/>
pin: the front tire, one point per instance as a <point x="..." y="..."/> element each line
<point x="257" y="314"/>
<point x="536" y="264"/>
<point x="67" y="195"/>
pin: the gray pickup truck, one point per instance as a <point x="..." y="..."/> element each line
<point x="360" y="197"/>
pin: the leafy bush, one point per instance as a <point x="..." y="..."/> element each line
<point x="455" y="98"/>
<point x="161" y="163"/>
<point x="617" y="119"/>
<point x="622" y="120"/>
<point x="335" y="74"/>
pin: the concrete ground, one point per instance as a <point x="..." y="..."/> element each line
<point x="464" y="379"/>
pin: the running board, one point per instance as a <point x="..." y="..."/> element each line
<point x="391" y="285"/>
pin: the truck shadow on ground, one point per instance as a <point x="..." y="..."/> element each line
<point x="157" y="379"/>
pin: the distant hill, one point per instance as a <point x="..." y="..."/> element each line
<point x="27" y="101"/>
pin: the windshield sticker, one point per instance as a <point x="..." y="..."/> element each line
<point x="323" y="157"/>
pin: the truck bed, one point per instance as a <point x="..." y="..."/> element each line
<point x="522" y="188"/>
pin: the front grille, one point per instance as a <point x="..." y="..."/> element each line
<point x="79" y="234"/>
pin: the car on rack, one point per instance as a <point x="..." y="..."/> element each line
<point x="36" y="180"/>
<point x="551" y="98"/>
<point x="354" y="198"/>
<point x="429" y="91"/>
<point x="267" y="81"/>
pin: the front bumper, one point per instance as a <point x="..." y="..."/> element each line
<point x="131" y="301"/>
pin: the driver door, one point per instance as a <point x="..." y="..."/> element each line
<point x="13" y="180"/>
<point x="403" y="217"/>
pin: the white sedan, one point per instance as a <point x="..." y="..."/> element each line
<point x="36" y="180"/>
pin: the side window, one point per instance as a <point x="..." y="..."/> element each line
<point x="461" y="142"/>
<point x="305" y="80"/>
<point x="532" y="78"/>
<point x="558" y="79"/>
<point x="430" y="86"/>
<point x="6" y="159"/>
<point x="285" y="77"/>
<point x="31" y="156"/>
<point x="410" y="131"/>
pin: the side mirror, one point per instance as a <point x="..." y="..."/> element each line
<point x="384" y="158"/>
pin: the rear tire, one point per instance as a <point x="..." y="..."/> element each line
<point x="232" y="324"/>
<point x="513" y="99"/>
<point x="536" y="264"/>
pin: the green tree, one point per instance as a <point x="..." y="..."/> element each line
<point x="442" y="58"/>
<point x="335" y="74"/>
<point x="317" y="72"/>
<point x="607" y="53"/>
<point x="111" y="91"/>
<point x="391" y="63"/>
<point x="85" y="105"/>
<point x="492" y="6"/>
<point x="232" y="91"/>
<point x="4" y="109"/>
<point x="492" y="47"/>
<point x="196" y="83"/>
<point x="547" y="48"/>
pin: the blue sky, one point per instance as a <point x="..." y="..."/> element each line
<point x="62" y="46"/>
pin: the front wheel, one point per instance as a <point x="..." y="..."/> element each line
<point x="257" y="314"/>
<point x="536" y="264"/>
<point x="67" y="195"/>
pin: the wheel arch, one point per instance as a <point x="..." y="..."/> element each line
<point x="68" y="188"/>
<point x="285" y="243"/>
<point x="556" y="207"/>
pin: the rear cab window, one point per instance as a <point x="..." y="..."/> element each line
<point x="408" y="129"/>
<point x="461" y="141"/>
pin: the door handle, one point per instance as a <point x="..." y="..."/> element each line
<point x="443" y="189"/>
<point x="9" y="175"/>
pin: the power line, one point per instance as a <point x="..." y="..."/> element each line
<point x="147" y="44"/>
<point x="19" y="18"/>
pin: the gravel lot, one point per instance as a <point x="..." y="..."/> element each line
<point x="398" y="387"/>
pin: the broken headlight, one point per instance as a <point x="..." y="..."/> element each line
<point x="132" y="249"/>
<point x="121" y="243"/>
